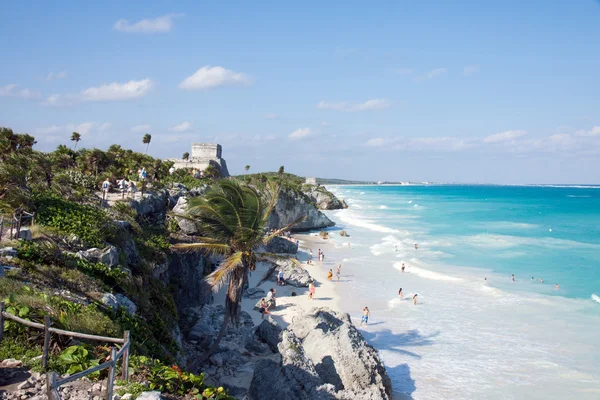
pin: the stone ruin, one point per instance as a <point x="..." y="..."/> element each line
<point x="203" y="155"/>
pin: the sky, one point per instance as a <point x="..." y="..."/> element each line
<point x="440" y="91"/>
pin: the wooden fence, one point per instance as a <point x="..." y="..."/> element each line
<point x="14" y="223"/>
<point x="52" y="382"/>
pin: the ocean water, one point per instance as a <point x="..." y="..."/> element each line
<point x="474" y="333"/>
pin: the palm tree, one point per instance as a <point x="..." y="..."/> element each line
<point x="232" y="218"/>
<point x="75" y="137"/>
<point x="186" y="155"/>
<point x="146" y="140"/>
<point x="247" y="167"/>
<point x="281" y="171"/>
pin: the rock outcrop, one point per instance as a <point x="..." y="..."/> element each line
<point x="293" y="274"/>
<point x="324" y="199"/>
<point x="323" y="356"/>
<point x="292" y="206"/>
<point x="185" y="224"/>
<point x="185" y="273"/>
<point x="108" y="256"/>
<point x="118" y="300"/>
<point x="281" y="245"/>
<point x="154" y="203"/>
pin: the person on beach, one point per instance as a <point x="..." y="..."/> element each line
<point x="280" y="279"/>
<point x="263" y="309"/>
<point x="311" y="290"/>
<point x="556" y="287"/>
<point x="338" y="271"/>
<point x="416" y="246"/>
<point x="403" y="267"/>
<point x="365" y="317"/>
<point x="512" y="277"/>
<point x="310" y="254"/>
<point x="271" y="298"/>
<point x="329" y="275"/>
<point x="415" y="299"/>
<point x="400" y="293"/>
<point x="122" y="187"/>
<point x="105" y="188"/>
<point x="541" y="280"/>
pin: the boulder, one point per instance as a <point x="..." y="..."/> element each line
<point x="324" y="235"/>
<point x="187" y="226"/>
<point x="293" y="205"/>
<point x="324" y="199"/>
<point x="108" y="256"/>
<point x="154" y="395"/>
<point x="293" y="274"/>
<point x="281" y="245"/>
<point x="153" y="202"/>
<point x="123" y="225"/>
<point x="344" y="234"/>
<point x="269" y="332"/>
<point x="115" y="301"/>
<point x="25" y="234"/>
<point x="341" y="355"/>
<point x="130" y="250"/>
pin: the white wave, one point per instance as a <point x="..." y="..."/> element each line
<point x="362" y="193"/>
<point x="574" y="195"/>
<point x="410" y="202"/>
<point x="383" y="207"/>
<point x="394" y="302"/>
<point x="351" y="219"/>
<point x="491" y="241"/>
<point x="506" y="225"/>
<point x="428" y="274"/>
<point x="596" y="298"/>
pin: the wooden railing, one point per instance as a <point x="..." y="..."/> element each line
<point x="52" y="382"/>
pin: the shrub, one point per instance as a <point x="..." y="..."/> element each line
<point x="87" y="222"/>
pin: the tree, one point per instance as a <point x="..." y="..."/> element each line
<point x="186" y="155"/>
<point x="231" y="218"/>
<point x="146" y="140"/>
<point x="246" y="168"/>
<point x="75" y="137"/>
<point x="281" y="171"/>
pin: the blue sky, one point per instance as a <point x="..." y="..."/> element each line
<point x="465" y="91"/>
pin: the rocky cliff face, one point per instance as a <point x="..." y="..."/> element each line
<point x="323" y="356"/>
<point x="324" y="199"/>
<point x="184" y="273"/>
<point x="293" y="205"/>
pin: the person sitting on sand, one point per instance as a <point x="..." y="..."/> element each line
<point x="280" y="279"/>
<point x="415" y="299"/>
<point x="400" y="293"/>
<point x="311" y="290"/>
<point x="263" y="309"/>
<point x="271" y="300"/>
<point x="329" y="275"/>
<point x="338" y="271"/>
<point x="366" y="315"/>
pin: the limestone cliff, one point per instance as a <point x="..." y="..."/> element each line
<point x="323" y="198"/>
<point x="292" y="205"/>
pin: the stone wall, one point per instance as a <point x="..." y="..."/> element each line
<point x="203" y="155"/>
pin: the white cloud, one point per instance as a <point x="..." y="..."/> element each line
<point x="118" y="91"/>
<point x="373" y="104"/>
<point x="209" y="77"/>
<point x="52" y="76"/>
<point x="300" y="133"/>
<point x="470" y="70"/>
<point x="325" y="123"/>
<point x="83" y="128"/>
<point x="505" y="136"/>
<point x="271" y="116"/>
<point x="141" y="128"/>
<point x="375" y="142"/>
<point x="53" y="100"/>
<point x="436" y="144"/>
<point x="160" y="24"/>
<point x="432" y="74"/>
<point x="183" y="127"/>
<point x="595" y="131"/>
<point x="11" y="91"/>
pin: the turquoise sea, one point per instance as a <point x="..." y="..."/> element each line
<point x="474" y="332"/>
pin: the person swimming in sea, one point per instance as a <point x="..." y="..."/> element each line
<point x="416" y="246"/>
<point x="403" y="267"/>
<point x="541" y="280"/>
<point x="556" y="287"/>
<point x="512" y="277"/>
<point x="400" y="293"/>
<point x="415" y="299"/>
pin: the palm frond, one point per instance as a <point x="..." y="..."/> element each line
<point x="210" y="248"/>
<point x="221" y="275"/>
<point x="271" y="236"/>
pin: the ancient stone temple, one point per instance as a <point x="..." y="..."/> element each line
<point x="203" y="155"/>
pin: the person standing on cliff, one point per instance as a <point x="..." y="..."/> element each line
<point x="366" y="315"/>
<point x="105" y="189"/>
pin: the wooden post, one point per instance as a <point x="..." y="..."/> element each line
<point x="19" y="226"/>
<point x="1" y="226"/>
<point x="125" y="372"/>
<point x="1" y="319"/>
<point x="111" y="373"/>
<point x="50" y="385"/>
<point x="46" y="342"/>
